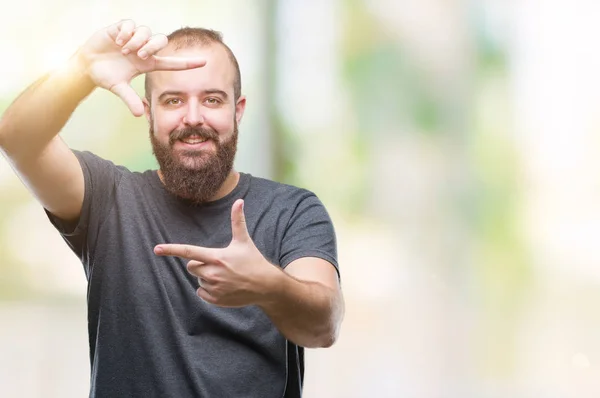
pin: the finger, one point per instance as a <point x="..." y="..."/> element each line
<point x="125" y="32"/>
<point x="177" y="63"/>
<point x="190" y="252"/>
<point x="192" y="264"/>
<point x="206" y="284"/>
<point x="152" y="46"/>
<point x="130" y="97"/>
<point x="140" y="37"/>
<point x="195" y="267"/>
<point x="239" y="230"/>
<point x="206" y="296"/>
<point x="114" y="29"/>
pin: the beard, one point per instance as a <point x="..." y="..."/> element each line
<point x="195" y="176"/>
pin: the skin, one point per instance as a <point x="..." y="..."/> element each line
<point x="202" y="97"/>
<point x="30" y="127"/>
<point x="304" y="301"/>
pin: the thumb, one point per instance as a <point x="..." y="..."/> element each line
<point x="130" y="97"/>
<point x="239" y="231"/>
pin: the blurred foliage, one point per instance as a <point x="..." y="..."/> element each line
<point x="502" y="271"/>
<point x="14" y="275"/>
<point x="447" y="231"/>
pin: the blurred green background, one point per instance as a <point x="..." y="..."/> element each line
<point x="454" y="143"/>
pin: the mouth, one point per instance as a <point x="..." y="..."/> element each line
<point x="193" y="142"/>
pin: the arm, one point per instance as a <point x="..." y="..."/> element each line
<point x="305" y="302"/>
<point x="29" y="128"/>
<point x="29" y="139"/>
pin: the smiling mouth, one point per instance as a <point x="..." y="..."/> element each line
<point x="193" y="140"/>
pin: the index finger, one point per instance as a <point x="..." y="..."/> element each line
<point x="189" y="252"/>
<point x="177" y="63"/>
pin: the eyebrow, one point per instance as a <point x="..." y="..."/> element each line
<point x="216" y="91"/>
<point x="169" y="93"/>
<point x="181" y="93"/>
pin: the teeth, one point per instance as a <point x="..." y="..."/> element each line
<point x="194" y="140"/>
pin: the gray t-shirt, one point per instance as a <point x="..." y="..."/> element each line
<point x="150" y="335"/>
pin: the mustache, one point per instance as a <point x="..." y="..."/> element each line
<point x="203" y="133"/>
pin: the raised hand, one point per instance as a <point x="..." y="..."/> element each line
<point x="235" y="276"/>
<point x="113" y="56"/>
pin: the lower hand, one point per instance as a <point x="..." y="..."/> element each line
<point x="235" y="276"/>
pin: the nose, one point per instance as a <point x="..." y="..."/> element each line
<point x="194" y="116"/>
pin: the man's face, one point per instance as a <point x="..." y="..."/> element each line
<point x="193" y="120"/>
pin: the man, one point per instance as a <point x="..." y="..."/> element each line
<point x="202" y="281"/>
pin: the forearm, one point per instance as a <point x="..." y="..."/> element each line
<point x="306" y="313"/>
<point x="42" y="110"/>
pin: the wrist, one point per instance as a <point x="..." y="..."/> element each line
<point x="76" y="69"/>
<point x="271" y="286"/>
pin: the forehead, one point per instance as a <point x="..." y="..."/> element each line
<point x="218" y="73"/>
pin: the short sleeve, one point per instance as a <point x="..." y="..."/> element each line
<point x="101" y="178"/>
<point x="309" y="233"/>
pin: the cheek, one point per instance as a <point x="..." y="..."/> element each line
<point x="160" y="131"/>
<point x="164" y="124"/>
<point x="222" y="122"/>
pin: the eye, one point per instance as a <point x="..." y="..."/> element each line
<point x="213" y="101"/>
<point x="173" y="101"/>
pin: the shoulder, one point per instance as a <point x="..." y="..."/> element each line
<point x="93" y="160"/>
<point x="96" y="164"/>
<point x="279" y="191"/>
<point x="291" y="203"/>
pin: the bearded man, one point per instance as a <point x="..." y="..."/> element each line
<point x="202" y="281"/>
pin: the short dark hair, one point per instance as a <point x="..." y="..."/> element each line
<point x="187" y="37"/>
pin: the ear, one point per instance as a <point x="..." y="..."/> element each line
<point x="240" y="107"/>
<point x="147" y="110"/>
